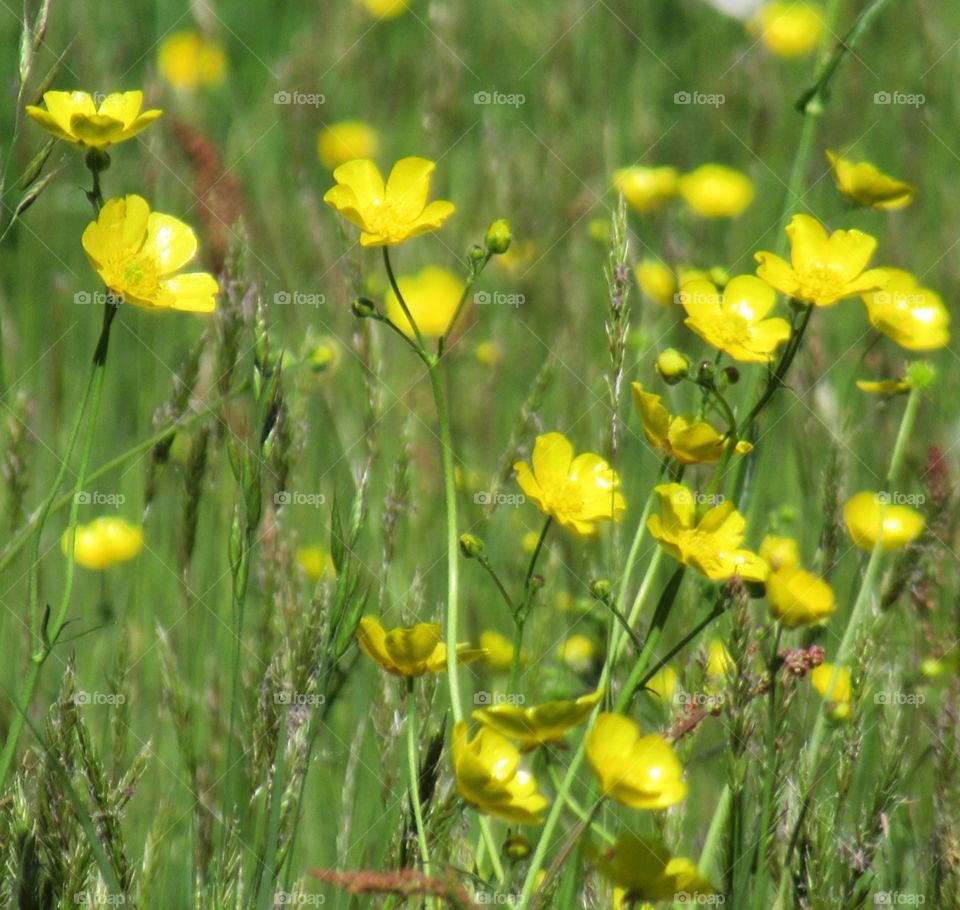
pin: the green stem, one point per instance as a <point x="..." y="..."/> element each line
<point x="400" y="300"/>
<point x="413" y="767"/>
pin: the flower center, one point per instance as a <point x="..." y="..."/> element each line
<point x="566" y="497"/>
<point x="821" y="280"/>
<point x="136" y="277"/>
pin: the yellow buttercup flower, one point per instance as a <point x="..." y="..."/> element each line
<point x="104" y="542"/>
<point x="914" y="317"/>
<point x="683" y="437"/>
<point x="316" y="562"/>
<point x="780" y="552"/>
<point x="636" y="770"/>
<point x="385" y="9"/>
<point x="432" y="296"/>
<point x="136" y="252"/>
<point x="719" y="661"/>
<point x="489" y="776"/>
<point x="578" y="652"/>
<point x="646" y="189"/>
<point x="823" y="269"/>
<point x="865" y="185"/>
<point x="346" y="141"/>
<point x="717" y="191"/>
<point x="76" y="117"/>
<point x="710" y="545"/>
<point x="663" y="683"/>
<point x="387" y="213"/>
<point x="871" y="516"/>
<point x="834" y="686"/>
<point x="577" y="492"/>
<point x="790" y="29"/>
<point x="499" y="650"/>
<point x="646" y="871"/>
<point x="546" y="723"/>
<point x="657" y="281"/>
<point x="734" y="321"/>
<point x="409" y="651"/>
<point x="797" y="597"/>
<point x="188" y="60"/>
<point x="884" y="386"/>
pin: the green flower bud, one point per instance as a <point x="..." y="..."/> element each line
<point x="600" y="588"/>
<point x="471" y="547"/>
<point x="476" y="254"/>
<point x="498" y="237"/>
<point x="921" y="374"/>
<point x="364" y="308"/>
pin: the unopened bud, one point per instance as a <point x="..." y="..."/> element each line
<point x="498" y="237"/>
<point x="600" y="588"/>
<point x="363" y="308"/>
<point x="672" y="366"/>
<point x="471" y="547"/>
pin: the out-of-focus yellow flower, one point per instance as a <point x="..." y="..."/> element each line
<point x="884" y="386"/>
<point x="488" y="353"/>
<point x="385" y="9"/>
<point x="871" y="516"/>
<point x="834" y="686"/>
<point x="546" y="723"/>
<point x="797" y="597"/>
<point x="865" y="185"/>
<point x="717" y="191"/>
<point x="322" y="354"/>
<point x="657" y="281"/>
<point x="914" y="317"/>
<point x="316" y="562"/>
<point x="575" y="491"/>
<point x="823" y="269"/>
<point x="388" y="213"/>
<point x="647" y="872"/>
<point x="346" y="141"/>
<point x="409" y="651"/>
<point x="719" y="661"/>
<point x="577" y="652"/>
<point x="789" y="29"/>
<point x="663" y="683"/>
<point x="76" y="117"/>
<point x="734" y="321"/>
<point x="636" y="770"/>
<point x="683" y="437"/>
<point x="104" y="542"/>
<point x="499" y="651"/>
<point x="432" y="296"/>
<point x="529" y="541"/>
<point x="188" y="60"/>
<point x="710" y="545"/>
<point x="519" y="258"/>
<point x="136" y="252"/>
<point x="646" y="189"/>
<point x="489" y="776"/>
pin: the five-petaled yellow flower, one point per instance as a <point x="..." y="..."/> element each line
<point x="136" y="252"/>
<point x="872" y="516"/>
<point x="575" y="491"/>
<point x="683" y="437"/>
<point x="717" y="191"/>
<point x="791" y="28"/>
<point x="646" y="189"/>
<point x="388" y="213"/>
<point x="534" y="726"/>
<point x="647" y="871"/>
<point x="735" y="320"/>
<point x="823" y="268"/>
<point x="76" y="117"/>
<point x="431" y="295"/>
<point x="797" y="597"/>
<point x="865" y="185"/>
<point x="636" y="770"/>
<point x="104" y="542"/>
<point x="914" y="317"/>
<point x="710" y="545"/>
<point x="409" y="651"/>
<point x="489" y="776"/>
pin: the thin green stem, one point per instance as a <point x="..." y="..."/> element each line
<point x="401" y="301"/>
<point x="413" y="767"/>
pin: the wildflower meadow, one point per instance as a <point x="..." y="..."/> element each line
<point x="465" y="454"/>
